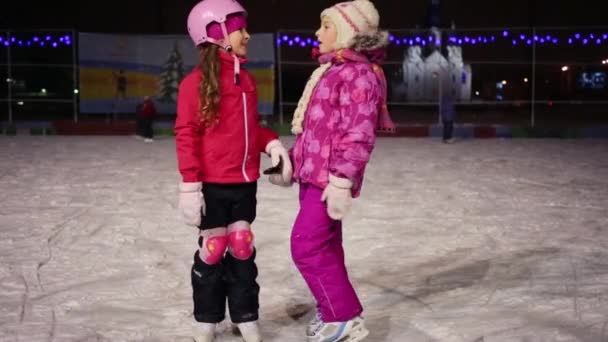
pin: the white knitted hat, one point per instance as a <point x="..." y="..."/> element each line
<point x="353" y="18"/>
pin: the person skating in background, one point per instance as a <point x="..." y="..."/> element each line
<point x="447" y="118"/>
<point x="145" y="113"/>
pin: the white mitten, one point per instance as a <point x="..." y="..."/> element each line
<point x="278" y="154"/>
<point x="338" y="196"/>
<point x="277" y="179"/>
<point x="191" y="202"/>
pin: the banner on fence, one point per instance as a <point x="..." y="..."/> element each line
<point x="117" y="71"/>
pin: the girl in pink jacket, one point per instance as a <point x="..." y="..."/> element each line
<point x="341" y="109"/>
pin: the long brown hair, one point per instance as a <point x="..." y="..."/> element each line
<point x="209" y="90"/>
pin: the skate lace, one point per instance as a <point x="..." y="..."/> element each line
<point x="317" y="322"/>
<point x="317" y="319"/>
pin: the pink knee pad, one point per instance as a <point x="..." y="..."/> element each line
<point x="213" y="249"/>
<point x="241" y="243"/>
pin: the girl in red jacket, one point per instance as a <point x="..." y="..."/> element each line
<point x="219" y="142"/>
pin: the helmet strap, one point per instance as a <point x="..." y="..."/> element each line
<point x="226" y="44"/>
<point x="228" y="47"/>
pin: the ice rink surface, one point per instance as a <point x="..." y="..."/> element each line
<point x="479" y="241"/>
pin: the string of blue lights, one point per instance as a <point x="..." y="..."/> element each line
<point x="52" y="41"/>
<point x="513" y="38"/>
<point x="453" y="39"/>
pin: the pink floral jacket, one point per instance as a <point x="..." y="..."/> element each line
<point x="339" y="129"/>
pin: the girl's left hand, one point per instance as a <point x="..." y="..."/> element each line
<point x="338" y="196"/>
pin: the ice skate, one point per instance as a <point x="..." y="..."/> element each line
<point x="314" y="324"/>
<point x="204" y="332"/>
<point x="350" y="331"/>
<point x="250" y="331"/>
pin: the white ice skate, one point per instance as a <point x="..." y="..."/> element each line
<point x="205" y="332"/>
<point x="250" y="331"/>
<point x="350" y="331"/>
<point x="314" y="324"/>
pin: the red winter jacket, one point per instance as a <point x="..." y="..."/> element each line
<point x="148" y="109"/>
<point x="228" y="152"/>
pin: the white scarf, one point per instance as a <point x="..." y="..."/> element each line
<point x="298" y="115"/>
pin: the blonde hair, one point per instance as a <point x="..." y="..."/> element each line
<point x="209" y="89"/>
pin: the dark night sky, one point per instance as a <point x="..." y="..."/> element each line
<point x="168" y="16"/>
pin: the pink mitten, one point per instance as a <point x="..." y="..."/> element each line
<point x="191" y="202"/>
<point x="338" y="196"/>
<point x="278" y="153"/>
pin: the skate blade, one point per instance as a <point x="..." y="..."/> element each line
<point x="356" y="335"/>
<point x="202" y="339"/>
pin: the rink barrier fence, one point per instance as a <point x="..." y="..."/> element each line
<point x="461" y="131"/>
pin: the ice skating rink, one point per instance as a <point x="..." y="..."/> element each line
<point x="479" y="241"/>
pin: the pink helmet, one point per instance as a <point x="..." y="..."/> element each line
<point x="207" y="12"/>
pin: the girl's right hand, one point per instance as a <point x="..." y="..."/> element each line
<point x="279" y="157"/>
<point x="191" y="203"/>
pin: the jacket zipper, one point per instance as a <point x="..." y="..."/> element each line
<point x="246" y="138"/>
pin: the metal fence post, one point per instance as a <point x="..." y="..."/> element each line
<point x="75" y="65"/>
<point x="9" y="79"/>
<point x="280" y="77"/>
<point x="533" y="113"/>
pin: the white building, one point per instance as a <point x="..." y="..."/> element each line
<point x="421" y="75"/>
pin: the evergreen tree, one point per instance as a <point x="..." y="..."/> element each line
<point x="171" y="77"/>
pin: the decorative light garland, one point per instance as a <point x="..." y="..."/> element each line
<point x="36" y="41"/>
<point x="453" y="39"/>
<point x="589" y="39"/>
